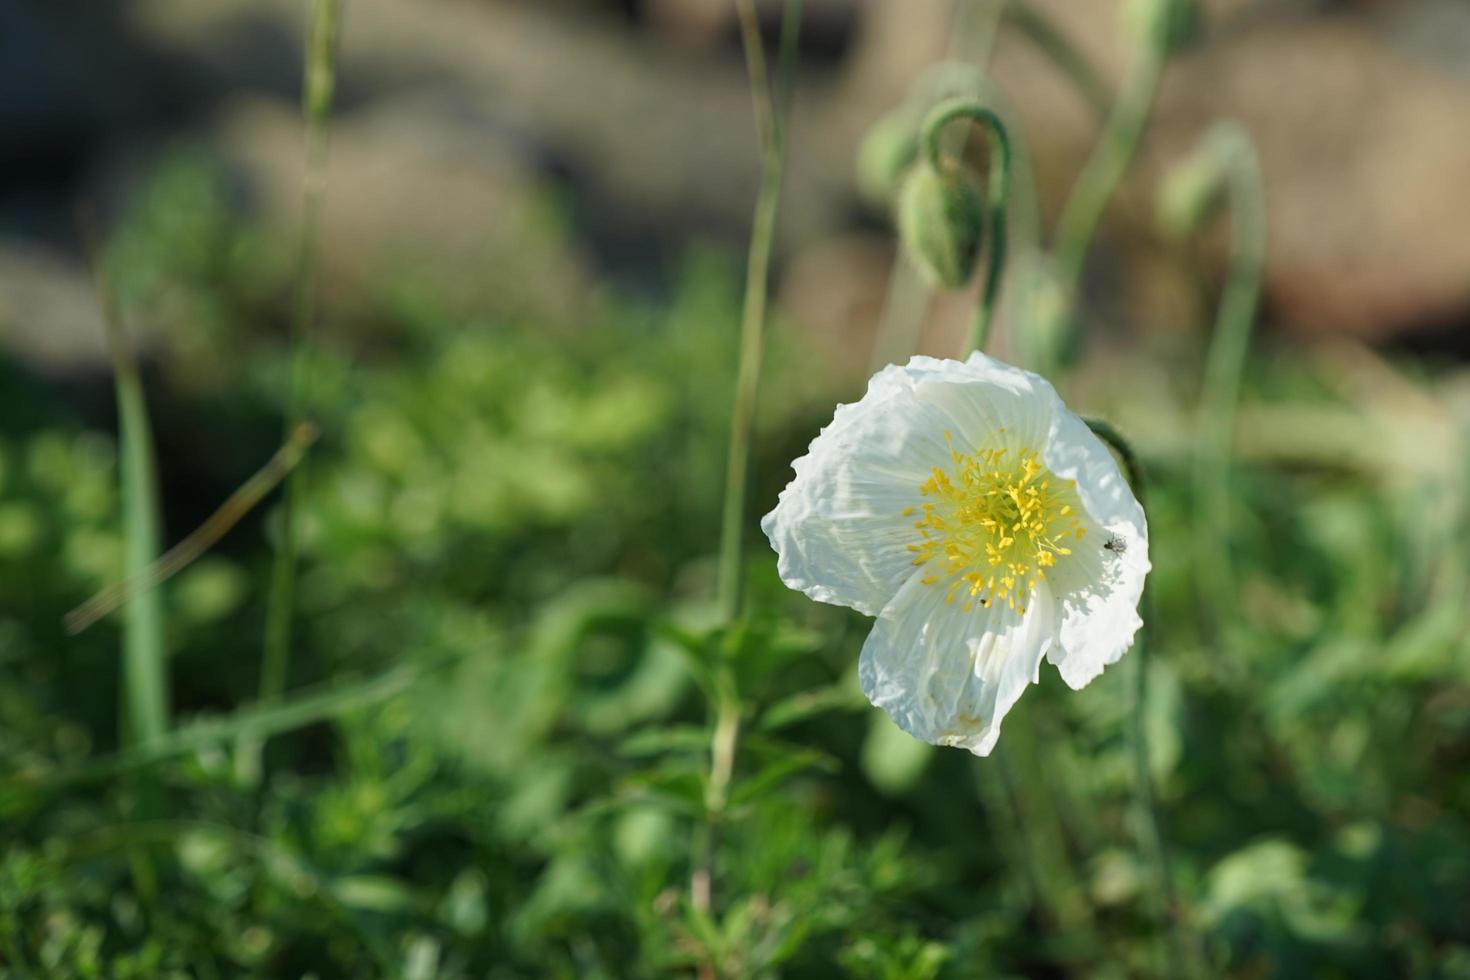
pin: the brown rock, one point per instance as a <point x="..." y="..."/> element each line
<point x="1365" y="156"/>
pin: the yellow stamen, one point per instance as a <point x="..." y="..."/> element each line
<point x="993" y="525"/>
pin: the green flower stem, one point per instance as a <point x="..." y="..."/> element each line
<point x="1004" y="799"/>
<point x="1083" y="211"/>
<point x="317" y="104"/>
<point x="320" y="84"/>
<point x="770" y="114"/>
<point x="1156" y="841"/>
<point x="1059" y="888"/>
<point x="723" y="744"/>
<point x="1225" y="362"/>
<point x="972" y="40"/>
<point x="996" y="196"/>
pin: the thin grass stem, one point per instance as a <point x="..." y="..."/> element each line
<point x="771" y="128"/>
<point x="320" y="82"/>
<point x="1083" y="211"/>
<point x="772" y="113"/>
<point x="201" y="539"/>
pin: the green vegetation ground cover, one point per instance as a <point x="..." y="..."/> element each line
<point x="512" y="515"/>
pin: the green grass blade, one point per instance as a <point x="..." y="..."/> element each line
<point x="320" y="69"/>
<point x="259" y="721"/>
<point x="145" y="666"/>
<point x="143" y="647"/>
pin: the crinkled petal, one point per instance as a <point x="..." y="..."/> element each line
<point x="1097" y="590"/>
<point x="948" y="676"/>
<point x="839" y="528"/>
<point x="990" y="403"/>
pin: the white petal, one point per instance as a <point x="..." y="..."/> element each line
<point x="989" y="404"/>
<point x="1098" y="590"/>
<point x="838" y="528"/>
<point x="948" y="676"/>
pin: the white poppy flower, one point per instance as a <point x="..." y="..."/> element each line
<point x="983" y="524"/>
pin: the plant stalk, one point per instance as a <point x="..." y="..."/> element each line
<point x="974" y="26"/>
<point x="1177" y="954"/>
<point x="1225" y="365"/>
<point x="771" y="115"/>
<point x="145" y="658"/>
<point x="1082" y="214"/>
<point x="997" y="197"/>
<point x="319" y="85"/>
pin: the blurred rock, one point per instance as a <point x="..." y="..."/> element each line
<point x="450" y="126"/>
<point x="645" y="135"/>
<point x="1365" y="157"/>
<point x="48" y="308"/>
<point x="421" y="187"/>
<point x="1363" y="125"/>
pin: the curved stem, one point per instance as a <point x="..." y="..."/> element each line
<point x="997" y="194"/>
<point x="1155" y="839"/>
<point x="1054" y="45"/>
<point x="1225" y="362"/>
<point x="972" y="41"/>
<point x="1083" y="212"/>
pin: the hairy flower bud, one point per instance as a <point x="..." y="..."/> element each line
<point x="887" y="151"/>
<point x="941" y="219"/>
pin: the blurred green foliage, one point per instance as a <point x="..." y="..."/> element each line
<point x="523" y="508"/>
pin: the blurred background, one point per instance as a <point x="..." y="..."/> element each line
<point x="492" y="751"/>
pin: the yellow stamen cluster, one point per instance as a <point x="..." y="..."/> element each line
<point x="993" y="525"/>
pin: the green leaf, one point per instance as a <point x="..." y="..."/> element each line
<point x="656" y="741"/>
<point x="844" y="695"/>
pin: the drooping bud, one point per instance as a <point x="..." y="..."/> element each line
<point x="887" y="151"/>
<point x="941" y="219"/>
<point x="1196" y="188"/>
<point x="1167" y="25"/>
<point x="1189" y="196"/>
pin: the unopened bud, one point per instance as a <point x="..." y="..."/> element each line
<point x="1195" y="189"/>
<point x="941" y="219"/>
<point x="1189" y="196"/>
<point x="887" y="151"/>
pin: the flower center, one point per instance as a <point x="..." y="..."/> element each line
<point x="993" y="524"/>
